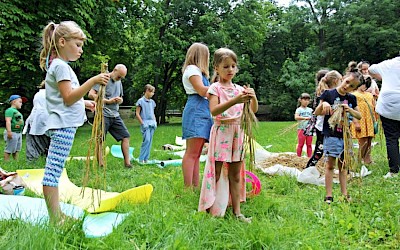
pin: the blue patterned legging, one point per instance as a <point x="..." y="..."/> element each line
<point x="61" y="141"/>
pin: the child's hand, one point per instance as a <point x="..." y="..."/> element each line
<point x="9" y="135"/>
<point x="249" y="91"/>
<point x="326" y="108"/>
<point x="242" y="97"/>
<point x="91" y="105"/>
<point x="357" y="126"/>
<point x="102" y="78"/>
<point x="345" y="107"/>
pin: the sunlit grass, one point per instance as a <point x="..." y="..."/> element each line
<point x="286" y="214"/>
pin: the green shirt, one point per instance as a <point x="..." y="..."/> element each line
<point x="17" y="121"/>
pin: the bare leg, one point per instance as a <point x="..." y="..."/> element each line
<point x="362" y="143"/>
<point x="53" y="203"/>
<point x="329" y="166"/>
<point x="15" y="155"/>
<point x="6" y="156"/>
<point x="196" y="168"/>
<point x="367" y="158"/>
<point x="125" y="151"/>
<point x="190" y="161"/>
<point x="234" y="185"/>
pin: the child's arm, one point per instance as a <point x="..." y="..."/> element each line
<point x="353" y="111"/>
<point x="8" y="127"/>
<point x="297" y="117"/>
<point x="70" y="96"/>
<point x="198" y="85"/>
<point x="138" y="109"/>
<point x="217" y="108"/>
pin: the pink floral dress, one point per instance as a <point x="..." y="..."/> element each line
<point x="226" y="145"/>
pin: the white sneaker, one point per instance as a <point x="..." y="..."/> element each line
<point x="390" y="175"/>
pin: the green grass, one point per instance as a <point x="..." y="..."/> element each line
<point x="286" y="214"/>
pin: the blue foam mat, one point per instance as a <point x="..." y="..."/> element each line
<point x="34" y="211"/>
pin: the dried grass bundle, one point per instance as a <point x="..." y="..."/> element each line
<point x="349" y="161"/>
<point x="289" y="128"/>
<point x="95" y="173"/>
<point x="337" y="118"/>
<point x="248" y="122"/>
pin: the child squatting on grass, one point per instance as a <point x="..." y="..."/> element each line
<point x="331" y="101"/>
<point x="145" y="114"/>
<point x="62" y="43"/>
<point x="14" y="127"/>
<point x="224" y="173"/>
<point x="302" y="114"/>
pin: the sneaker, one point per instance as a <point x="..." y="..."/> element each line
<point x="243" y="218"/>
<point x="328" y="200"/>
<point x="390" y="175"/>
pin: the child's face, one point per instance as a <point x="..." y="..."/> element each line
<point x="305" y="101"/>
<point x="17" y="103"/>
<point x="149" y="93"/>
<point x="71" y="50"/>
<point x="364" y="68"/>
<point x="349" y="84"/>
<point x="226" y="70"/>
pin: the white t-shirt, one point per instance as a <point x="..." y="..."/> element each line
<point x="61" y="115"/>
<point x="388" y="104"/>
<point x="191" y="70"/>
<point x="38" y="118"/>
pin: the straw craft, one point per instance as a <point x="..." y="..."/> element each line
<point x="94" y="173"/>
<point x="248" y="121"/>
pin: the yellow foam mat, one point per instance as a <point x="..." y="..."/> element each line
<point x="89" y="200"/>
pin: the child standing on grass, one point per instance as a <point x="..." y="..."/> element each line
<point x="302" y="115"/>
<point x="145" y="114"/>
<point x="224" y="173"/>
<point x="14" y="127"/>
<point x="325" y="80"/>
<point x="62" y="43"/>
<point x="331" y="101"/>
<point x="363" y="130"/>
<point x="196" y="117"/>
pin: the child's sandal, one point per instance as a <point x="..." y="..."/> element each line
<point x="243" y="218"/>
<point x="347" y="198"/>
<point x="328" y="200"/>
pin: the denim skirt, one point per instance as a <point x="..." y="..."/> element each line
<point x="196" y="118"/>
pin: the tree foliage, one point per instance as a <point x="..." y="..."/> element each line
<point x="279" y="49"/>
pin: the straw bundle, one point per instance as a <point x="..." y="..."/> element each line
<point x="339" y="119"/>
<point x="248" y="121"/>
<point x="94" y="172"/>
<point x="289" y="128"/>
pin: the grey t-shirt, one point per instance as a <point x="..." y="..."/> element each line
<point x="113" y="89"/>
<point x="61" y="115"/>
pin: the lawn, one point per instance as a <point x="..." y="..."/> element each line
<point x="286" y="214"/>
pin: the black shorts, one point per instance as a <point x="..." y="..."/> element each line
<point x="116" y="127"/>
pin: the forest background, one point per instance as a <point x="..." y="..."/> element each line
<point x="279" y="48"/>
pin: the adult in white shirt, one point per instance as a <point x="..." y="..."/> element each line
<point x="37" y="142"/>
<point x="388" y="107"/>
